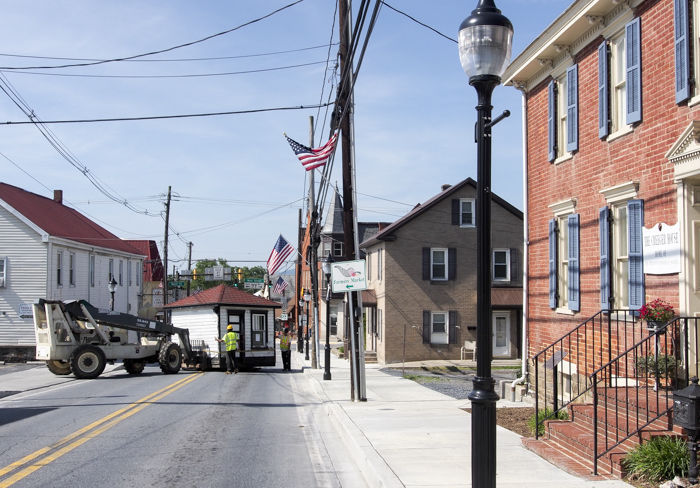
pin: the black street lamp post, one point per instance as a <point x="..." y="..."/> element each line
<point x="485" y="40"/>
<point x="307" y="299"/>
<point x="300" y="332"/>
<point x="327" y="264"/>
<point x="112" y="286"/>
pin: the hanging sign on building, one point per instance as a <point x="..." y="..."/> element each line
<point x="348" y="276"/>
<point x="662" y="249"/>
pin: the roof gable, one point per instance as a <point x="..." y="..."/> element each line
<point x="223" y="295"/>
<point x="57" y="220"/>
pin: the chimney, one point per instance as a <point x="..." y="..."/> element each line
<point x="58" y="196"/>
<point x="445" y="186"/>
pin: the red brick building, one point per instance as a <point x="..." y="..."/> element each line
<point x="612" y="168"/>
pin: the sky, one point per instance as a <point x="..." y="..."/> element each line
<point x="236" y="184"/>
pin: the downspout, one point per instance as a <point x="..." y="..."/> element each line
<point x="523" y="349"/>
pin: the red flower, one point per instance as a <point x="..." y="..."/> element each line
<point x="657" y="310"/>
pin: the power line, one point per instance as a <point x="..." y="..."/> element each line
<point x="160" y="51"/>
<point x="419" y="22"/>
<point x="173" y="60"/>
<point x="178" y="116"/>
<point x="189" y="75"/>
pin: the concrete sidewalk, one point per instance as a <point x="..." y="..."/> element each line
<point x="407" y="435"/>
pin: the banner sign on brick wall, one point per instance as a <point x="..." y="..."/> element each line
<point x="662" y="249"/>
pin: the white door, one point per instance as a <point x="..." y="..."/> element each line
<point x="501" y="334"/>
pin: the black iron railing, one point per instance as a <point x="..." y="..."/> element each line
<point x="563" y="369"/>
<point x="635" y="389"/>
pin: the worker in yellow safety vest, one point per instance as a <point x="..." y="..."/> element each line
<point x="231" y="341"/>
<point x="285" y="343"/>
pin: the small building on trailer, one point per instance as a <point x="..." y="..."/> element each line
<point x="208" y="313"/>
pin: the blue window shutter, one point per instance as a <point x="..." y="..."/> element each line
<point x="635" y="222"/>
<point x="552" y="122"/>
<point x="574" y="263"/>
<point x="425" y="253"/>
<point x="456" y="211"/>
<point x="452" y="263"/>
<point x="572" y="108"/>
<point x="553" y="264"/>
<point x="603" y="86"/>
<point x="452" y="334"/>
<point x="633" y="51"/>
<point x="680" y="17"/>
<point x="604" y="221"/>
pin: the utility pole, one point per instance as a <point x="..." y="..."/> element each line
<point x="300" y="327"/>
<point x="313" y="266"/>
<point x="189" y="266"/>
<point x="345" y="103"/>
<point x="165" y="256"/>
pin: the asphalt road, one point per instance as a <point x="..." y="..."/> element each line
<point x="254" y="429"/>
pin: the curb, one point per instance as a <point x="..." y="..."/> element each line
<point x="375" y="471"/>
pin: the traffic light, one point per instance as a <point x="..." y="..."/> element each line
<point x="194" y="274"/>
<point x="240" y="274"/>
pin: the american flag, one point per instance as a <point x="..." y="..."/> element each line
<point x="279" y="253"/>
<point x="313" y="158"/>
<point x="279" y="287"/>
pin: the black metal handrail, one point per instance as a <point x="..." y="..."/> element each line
<point x="637" y="384"/>
<point x="587" y="347"/>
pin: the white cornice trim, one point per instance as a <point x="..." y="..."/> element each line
<point x="685" y="152"/>
<point x="621" y="192"/>
<point x="564" y="207"/>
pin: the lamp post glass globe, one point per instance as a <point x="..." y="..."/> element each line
<point x="485" y="41"/>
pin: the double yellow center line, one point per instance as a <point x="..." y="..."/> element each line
<point x="42" y="457"/>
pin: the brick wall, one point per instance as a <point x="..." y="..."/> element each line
<point x="599" y="164"/>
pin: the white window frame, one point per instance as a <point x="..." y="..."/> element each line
<point x="121" y="272"/>
<point x="111" y="269"/>
<point x="433" y="276"/>
<point x="561" y="211"/>
<point x="71" y="269"/>
<point x="3" y="271"/>
<point x="618" y="86"/>
<point x="380" y="317"/>
<point x="337" y="249"/>
<point x="369" y="266"/>
<point x="139" y="270"/>
<point x="620" y="255"/>
<point x="92" y="270"/>
<point x="562" y="111"/>
<point x="59" y="270"/>
<point x="128" y="272"/>
<point x="506" y="264"/>
<point x="440" y="337"/>
<point x="380" y="263"/>
<point x="471" y="222"/>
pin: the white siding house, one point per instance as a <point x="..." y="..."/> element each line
<point x="48" y="250"/>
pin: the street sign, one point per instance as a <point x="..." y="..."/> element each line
<point x="253" y="283"/>
<point x="283" y="316"/>
<point x="217" y="273"/>
<point x="176" y="284"/>
<point x="348" y="276"/>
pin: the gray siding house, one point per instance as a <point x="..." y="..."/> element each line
<point x="422" y="274"/>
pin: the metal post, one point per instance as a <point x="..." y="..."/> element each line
<point x="483" y="396"/>
<point x="327" y="349"/>
<point x="306" y="350"/>
<point x="693" y="451"/>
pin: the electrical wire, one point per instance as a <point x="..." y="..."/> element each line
<point x="177" y="116"/>
<point x="189" y="75"/>
<point x="419" y="22"/>
<point x="173" y="60"/>
<point x="160" y="51"/>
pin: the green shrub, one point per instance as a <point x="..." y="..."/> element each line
<point x="659" y="459"/>
<point x="546" y="414"/>
<point x="664" y="365"/>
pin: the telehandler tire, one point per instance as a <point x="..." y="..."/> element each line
<point x="87" y="362"/>
<point x="170" y="358"/>
<point x="134" y="366"/>
<point x="58" y="367"/>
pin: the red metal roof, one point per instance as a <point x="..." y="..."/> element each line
<point x="223" y="295"/>
<point x="57" y="220"/>
<point x="152" y="266"/>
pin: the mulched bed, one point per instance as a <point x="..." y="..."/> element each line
<point x="514" y="419"/>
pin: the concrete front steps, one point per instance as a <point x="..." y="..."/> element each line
<point x="569" y="444"/>
<point x="370" y="357"/>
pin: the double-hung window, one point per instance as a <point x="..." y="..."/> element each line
<point x="111" y="269"/>
<point x="620" y="81"/>
<point x="464" y="212"/>
<point x="3" y="271"/>
<point x="337" y="249"/>
<point x="440" y="327"/>
<point x="564" y="249"/>
<point x="380" y="263"/>
<point x="438" y="264"/>
<point x="71" y="269"/>
<point x="92" y="270"/>
<point x="621" y="255"/>
<point x="563" y="115"/>
<point x="121" y="272"/>
<point x="59" y="268"/>
<point x="501" y="265"/>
